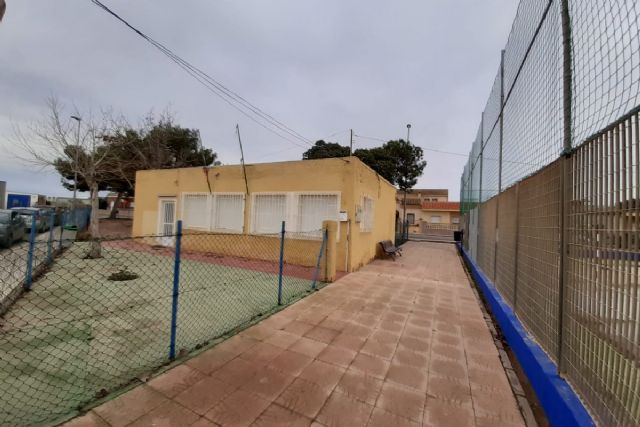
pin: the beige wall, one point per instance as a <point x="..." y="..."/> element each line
<point x="348" y="176"/>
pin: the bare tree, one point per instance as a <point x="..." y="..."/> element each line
<point x="82" y="144"/>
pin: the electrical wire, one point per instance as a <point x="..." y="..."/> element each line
<point x="451" y="153"/>
<point x="230" y="97"/>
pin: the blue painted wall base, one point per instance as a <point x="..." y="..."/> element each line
<point x="559" y="402"/>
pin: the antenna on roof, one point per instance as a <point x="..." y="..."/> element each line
<point x="244" y="169"/>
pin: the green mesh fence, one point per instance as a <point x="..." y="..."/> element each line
<point x="89" y="326"/>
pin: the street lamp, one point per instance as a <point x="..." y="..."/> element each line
<point x="75" y="160"/>
<point x="404" y="204"/>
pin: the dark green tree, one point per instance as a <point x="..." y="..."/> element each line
<point x="378" y="159"/>
<point x="408" y="163"/>
<point x="160" y="144"/>
<point x="323" y="150"/>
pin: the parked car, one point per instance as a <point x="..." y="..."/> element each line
<point x="12" y="227"/>
<point x="47" y="212"/>
<point x="41" y="218"/>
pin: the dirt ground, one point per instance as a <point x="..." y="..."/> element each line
<point x="115" y="227"/>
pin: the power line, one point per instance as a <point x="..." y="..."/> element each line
<point x="451" y="153"/>
<point x="224" y="93"/>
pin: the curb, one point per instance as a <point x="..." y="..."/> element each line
<point x="560" y="403"/>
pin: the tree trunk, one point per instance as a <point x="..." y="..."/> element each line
<point x="114" y="208"/>
<point x="95" y="250"/>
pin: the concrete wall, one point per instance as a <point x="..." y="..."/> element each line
<point x="348" y="176"/>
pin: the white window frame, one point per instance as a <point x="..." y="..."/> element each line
<point x="367" y="219"/>
<point x="183" y="197"/>
<point x="295" y="226"/>
<point x="213" y="211"/>
<point x="287" y="208"/>
<point x="292" y="210"/>
<point x="436" y="216"/>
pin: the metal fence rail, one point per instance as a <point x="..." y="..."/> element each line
<point x="551" y="193"/>
<point x="90" y="326"/>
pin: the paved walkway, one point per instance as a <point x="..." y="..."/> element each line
<point x="396" y="344"/>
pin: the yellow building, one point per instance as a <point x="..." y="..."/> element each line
<point x="428" y="209"/>
<point x="301" y="193"/>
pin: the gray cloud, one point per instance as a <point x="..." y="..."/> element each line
<point x="320" y="67"/>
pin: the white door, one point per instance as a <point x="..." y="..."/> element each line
<point x="167" y="223"/>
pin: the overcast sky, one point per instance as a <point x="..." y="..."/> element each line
<point x="320" y="67"/>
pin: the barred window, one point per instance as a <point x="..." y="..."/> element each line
<point x="366" y="223"/>
<point x="269" y="210"/>
<point x="195" y="211"/>
<point x="228" y="212"/>
<point x="313" y="209"/>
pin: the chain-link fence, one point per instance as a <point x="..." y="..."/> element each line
<point x="88" y="326"/>
<point x="551" y="193"/>
<point x="402" y="233"/>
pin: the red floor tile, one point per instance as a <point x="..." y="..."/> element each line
<point x="277" y="416"/>
<point x="239" y="409"/>
<point x="204" y="394"/>
<point x="176" y="380"/>
<point x="341" y="410"/>
<point x="130" y="406"/>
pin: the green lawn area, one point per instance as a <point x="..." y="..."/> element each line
<point x="78" y="335"/>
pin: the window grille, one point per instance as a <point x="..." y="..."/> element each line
<point x="228" y="215"/>
<point x="366" y="224"/>
<point x="313" y="209"/>
<point x="269" y="210"/>
<point x="195" y="211"/>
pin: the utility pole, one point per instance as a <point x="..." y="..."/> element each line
<point x="404" y="203"/>
<point x="244" y="169"/>
<point x="351" y="144"/>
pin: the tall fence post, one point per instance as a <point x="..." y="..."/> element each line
<point x="565" y="170"/>
<point x="500" y="129"/>
<point x="325" y="235"/>
<point x="63" y="220"/>
<point x="176" y="293"/>
<point x="32" y="243"/>
<point x="515" y="255"/>
<point x="52" y="221"/>
<point x="282" y="231"/>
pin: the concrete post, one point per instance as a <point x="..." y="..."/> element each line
<point x="3" y="195"/>
<point x="329" y="272"/>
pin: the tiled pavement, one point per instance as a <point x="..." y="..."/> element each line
<point x="396" y="344"/>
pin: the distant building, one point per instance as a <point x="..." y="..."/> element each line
<point x="126" y="202"/>
<point x="428" y="208"/>
<point x="14" y="199"/>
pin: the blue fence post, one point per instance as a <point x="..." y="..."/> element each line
<point x="52" y="221"/>
<point x="63" y="223"/>
<point x="176" y="293"/>
<point x="32" y="243"/>
<point x="317" y="270"/>
<point x="281" y="264"/>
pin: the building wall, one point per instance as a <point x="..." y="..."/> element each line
<point x="424" y="216"/>
<point x="348" y="176"/>
<point x="365" y="244"/>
